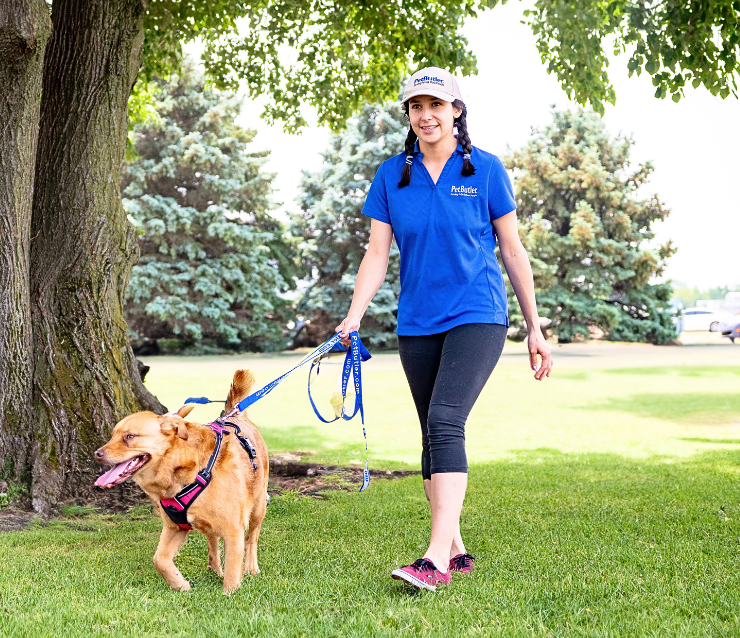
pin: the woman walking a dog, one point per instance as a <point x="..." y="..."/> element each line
<point x="448" y="203"/>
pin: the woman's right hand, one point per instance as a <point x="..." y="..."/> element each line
<point x="351" y="323"/>
<point x="537" y="345"/>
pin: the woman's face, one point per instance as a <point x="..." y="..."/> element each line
<point x="431" y="118"/>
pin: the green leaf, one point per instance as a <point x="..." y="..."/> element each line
<point x="691" y="40"/>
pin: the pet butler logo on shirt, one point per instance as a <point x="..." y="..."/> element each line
<point x="429" y="80"/>
<point x="465" y="191"/>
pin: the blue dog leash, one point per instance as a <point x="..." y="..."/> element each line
<point x="352" y="366"/>
<point x="356" y="354"/>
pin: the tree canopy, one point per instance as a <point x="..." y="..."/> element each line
<point x="677" y="42"/>
<point x="345" y="53"/>
<point x="588" y="230"/>
<point x="213" y="259"/>
<point x="348" y="53"/>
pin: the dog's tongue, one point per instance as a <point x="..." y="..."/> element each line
<point x="111" y="475"/>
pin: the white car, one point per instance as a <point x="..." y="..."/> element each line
<point x="702" y="319"/>
<point x="730" y="328"/>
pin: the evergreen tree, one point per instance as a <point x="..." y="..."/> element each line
<point x="588" y="233"/>
<point x="336" y="234"/>
<point x="213" y="261"/>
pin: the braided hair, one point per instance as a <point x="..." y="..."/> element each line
<point x="462" y="137"/>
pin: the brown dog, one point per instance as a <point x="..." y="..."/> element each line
<point x="164" y="454"/>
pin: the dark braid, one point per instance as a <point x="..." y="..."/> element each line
<point x="463" y="138"/>
<point x="410" y="141"/>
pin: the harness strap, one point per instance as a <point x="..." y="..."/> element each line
<point x="245" y="443"/>
<point x="177" y="506"/>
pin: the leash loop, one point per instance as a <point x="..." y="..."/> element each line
<point x="356" y="354"/>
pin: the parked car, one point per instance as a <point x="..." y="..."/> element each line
<point x="729" y="328"/>
<point x="702" y="319"/>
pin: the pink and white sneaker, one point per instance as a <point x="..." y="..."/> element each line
<point x="462" y="564"/>
<point x="422" y="574"/>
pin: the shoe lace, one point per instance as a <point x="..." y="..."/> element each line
<point x="424" y="565"/>
<point x="465" y="560"/>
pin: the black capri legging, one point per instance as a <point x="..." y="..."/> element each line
<point x="446" y="373"/>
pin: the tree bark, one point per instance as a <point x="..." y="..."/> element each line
<point x="83" y="248"/>
<point x="25" y="27"/>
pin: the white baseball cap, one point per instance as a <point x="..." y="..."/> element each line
<point x="432" y="81"/>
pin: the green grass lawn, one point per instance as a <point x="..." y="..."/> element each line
<point x="568" y="545"/>
<point x="603" y="502"/>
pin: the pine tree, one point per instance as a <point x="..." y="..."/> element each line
<point x="588" y="233"/>
<point x="213" y="261"/>
<point x="336" y="234"/>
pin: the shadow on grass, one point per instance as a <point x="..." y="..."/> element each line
<point x="692" y="371"/>
<point x="315" y="447"/>
<point x="700" y="439"/>
<point x="703" y="408"/>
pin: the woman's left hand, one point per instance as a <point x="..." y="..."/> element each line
<point x="538" y="346"/>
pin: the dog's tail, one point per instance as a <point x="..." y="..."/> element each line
<point x="241" y="386"/>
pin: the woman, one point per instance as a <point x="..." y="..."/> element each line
<point x="451" y="205"/>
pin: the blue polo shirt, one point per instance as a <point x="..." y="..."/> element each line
<point x="449" y="272"/>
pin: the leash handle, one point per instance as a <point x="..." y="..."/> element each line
<point x="356" y="354"/>
<point x="351" y="367"/>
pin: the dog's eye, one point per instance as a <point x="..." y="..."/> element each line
<point x="129" y="437"/>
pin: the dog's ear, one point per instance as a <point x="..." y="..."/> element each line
<point x="185" y="410"/>
<point x="169" y="423"/>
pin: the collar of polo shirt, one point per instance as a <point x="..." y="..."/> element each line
<point x="459" y="148"/>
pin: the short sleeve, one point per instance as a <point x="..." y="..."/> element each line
<point x="500" y="193"/>
<point x="376" y="202"/>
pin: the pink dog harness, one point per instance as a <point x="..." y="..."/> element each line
<point x="177" y="507"/>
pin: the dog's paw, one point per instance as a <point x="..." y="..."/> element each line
<point x="231" y="588"/>
<point x="217" y="569"/>
<point x="185" y="586"/>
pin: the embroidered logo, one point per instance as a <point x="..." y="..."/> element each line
<point x="465" y="191"/>
<point x="428" y="80"/>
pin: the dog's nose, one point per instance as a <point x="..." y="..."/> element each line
<point x="99" y="454"/>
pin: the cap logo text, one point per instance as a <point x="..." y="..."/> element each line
<point x="429" y="80"/>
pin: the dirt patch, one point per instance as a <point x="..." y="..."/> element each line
<point x="288" y="472"/>
<point x="115" y="500"/>
<point x="12" y="520"/>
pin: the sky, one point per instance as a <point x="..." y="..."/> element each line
<point x="693" y="144"/>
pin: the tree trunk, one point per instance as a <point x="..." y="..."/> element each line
<point x="25" y="27"/>
<point x="83" y="248"/>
